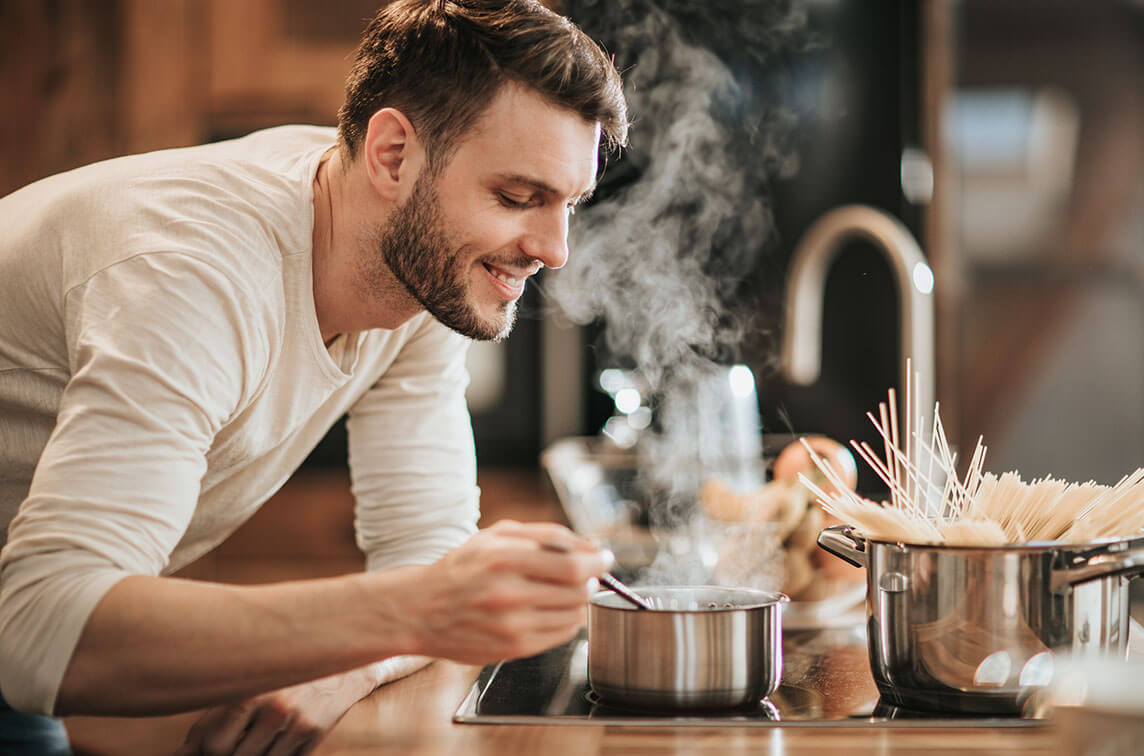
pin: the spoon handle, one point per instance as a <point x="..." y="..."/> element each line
<point x="624" y="592"/>
<point x="607" y="580"/>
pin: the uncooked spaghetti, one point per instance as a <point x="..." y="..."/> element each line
<point x="930" y="504"/>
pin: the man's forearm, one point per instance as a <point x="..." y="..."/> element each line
<point x="156" y="645"/>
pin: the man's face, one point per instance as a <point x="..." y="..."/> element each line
<point x="465" y="241"/>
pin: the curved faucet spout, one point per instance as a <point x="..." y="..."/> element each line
<point x="802" y="331"/>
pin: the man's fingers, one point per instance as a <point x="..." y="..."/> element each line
<point x="294" y="746"/>
<point x="553" y="597"/>
<point x="218" y="731"/>
<point x="197" y="731"/>
<point x="534" y="631"/>
<point x="542" y="551"/>
<point x="200" y="730"/>
<point x="549" y="534"/>
<point x="268" y="725"/>
<point x="573" y="569"/>
<point x="544" y="640"/>
<point x="559" y="620"/>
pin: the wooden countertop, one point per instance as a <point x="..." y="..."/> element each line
<point x="414" y="715"/>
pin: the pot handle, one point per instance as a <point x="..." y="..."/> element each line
<point x="1119" y="558"/>
<point x="842" y="542"/>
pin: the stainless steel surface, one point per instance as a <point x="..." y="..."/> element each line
<point x="806" y="285"/>
<point x="977" y="629"/>
<point x="825" y="683"/>
<point x="839" y="542"/>
<point x="624" y="592"/>
<point x="699" y="647"/>
<point x="802" y="337"/>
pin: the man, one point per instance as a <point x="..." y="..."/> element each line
<point x="179" y="329"/>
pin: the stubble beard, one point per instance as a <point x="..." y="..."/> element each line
<point x="413" y="247"/>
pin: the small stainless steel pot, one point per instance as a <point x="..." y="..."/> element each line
<point x="975" y="629"/>
<point x="701" y="647"/>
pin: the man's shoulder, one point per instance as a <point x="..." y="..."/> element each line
<point x="287" y="140"/>
<point x="264" y="179"/>
<point x="283" y="150"/>
<point x="242" y="205"/>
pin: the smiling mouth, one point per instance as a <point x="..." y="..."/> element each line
<point x="509" y="286"/>
<point x="514" y="282"/>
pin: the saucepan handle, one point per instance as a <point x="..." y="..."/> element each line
<point x="844" y="543"/>
<point x="1118" y="558"/>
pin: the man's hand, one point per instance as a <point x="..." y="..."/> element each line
<point x="513" y="590"/>
<point x="285" y="722"/>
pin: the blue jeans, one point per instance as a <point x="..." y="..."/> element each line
<point x="31" y="734"/>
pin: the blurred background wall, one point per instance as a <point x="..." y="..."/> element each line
<point x="1030" y="114"/>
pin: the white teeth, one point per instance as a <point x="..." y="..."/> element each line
<point x="505" y="277"/>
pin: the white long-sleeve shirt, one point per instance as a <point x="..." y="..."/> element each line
<point x="162" y="373"/>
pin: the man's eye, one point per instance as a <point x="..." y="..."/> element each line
<point x="508" y="201"/>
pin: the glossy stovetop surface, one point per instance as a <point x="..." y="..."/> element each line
<point x="826" y="681"/>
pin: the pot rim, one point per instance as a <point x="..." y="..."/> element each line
<point x="766" y="599"/>
<point x="1028" y="546"/>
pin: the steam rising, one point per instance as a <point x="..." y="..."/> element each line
<point x="660" y="258"/>
<point x="680" y="224"/>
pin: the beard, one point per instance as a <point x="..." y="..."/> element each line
<point x="415" y="249"/>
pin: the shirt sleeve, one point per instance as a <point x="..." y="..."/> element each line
<point x="159" y="347"/>
<point x="412" y="458"/>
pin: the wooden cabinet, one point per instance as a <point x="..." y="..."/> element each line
<point x="86" y="80"/>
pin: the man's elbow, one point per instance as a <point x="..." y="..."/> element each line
<point x="19" y="692"/>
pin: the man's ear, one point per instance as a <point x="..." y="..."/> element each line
<point x="393" y="154"/>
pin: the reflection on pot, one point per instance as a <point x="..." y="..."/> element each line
<point x="975" y="630"/>
<point x="709" y="648"/>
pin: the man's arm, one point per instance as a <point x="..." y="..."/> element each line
<point x="163" y="355"/>
<point x="156" y="645"/>
<point x="412" y="458"/>
<point x="414" y="480"/>
<point x="162" y="347"/>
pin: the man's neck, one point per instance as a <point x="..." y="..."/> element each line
<point x="343" y="211"/>
<point x="323" y="242"/>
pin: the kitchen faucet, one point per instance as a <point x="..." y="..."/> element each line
<point x="802" y="331"/>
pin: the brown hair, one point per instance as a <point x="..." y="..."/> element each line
<point x="441" y="62"/>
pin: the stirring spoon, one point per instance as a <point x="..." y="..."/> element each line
<point x="624" y="592"/>
<point x="609" y="580"/>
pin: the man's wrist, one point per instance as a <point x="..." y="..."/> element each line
<point x="391" y="593"/>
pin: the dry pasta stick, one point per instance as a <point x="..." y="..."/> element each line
<point x="894" y="444"/>
<point x="980" y="508"/>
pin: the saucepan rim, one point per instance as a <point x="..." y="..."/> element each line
<point x="765" y="599"/>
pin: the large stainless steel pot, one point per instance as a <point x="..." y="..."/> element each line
<point x="701" y="647"/>
<point x="975" y="629"/>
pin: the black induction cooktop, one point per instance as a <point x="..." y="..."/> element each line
<point x="826" y="681"/>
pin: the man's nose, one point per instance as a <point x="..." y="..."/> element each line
<point x="547" y="238"/>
